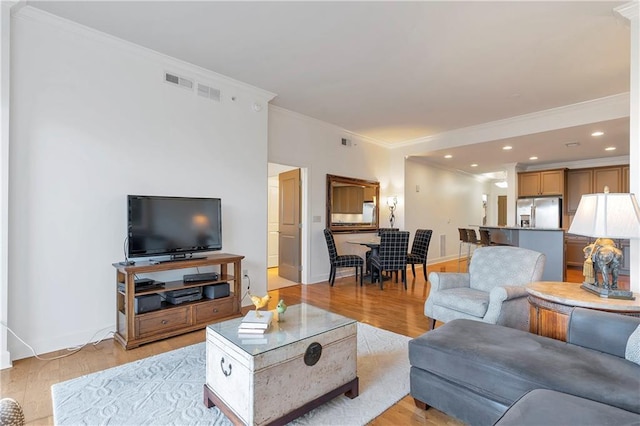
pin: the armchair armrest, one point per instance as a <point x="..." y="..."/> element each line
<point x="603" y="331"/>
<point x="508" y="306"/>
<point x="445" y="280"/>
<point x="500" y="294"/>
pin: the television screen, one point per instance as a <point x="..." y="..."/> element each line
<point x="174" y="226"/>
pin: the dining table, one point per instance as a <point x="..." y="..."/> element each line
<point x="374" y="244"/>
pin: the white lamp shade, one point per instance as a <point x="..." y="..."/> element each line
<point x="607" y="215"/>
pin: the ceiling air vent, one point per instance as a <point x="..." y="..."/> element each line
<point x="178" y="81"/>
<point x="208" y="92"/>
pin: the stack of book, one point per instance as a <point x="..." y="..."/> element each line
<point x="253" y="325"/>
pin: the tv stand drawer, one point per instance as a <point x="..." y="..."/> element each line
<point x="212" y="311"/>
<point x="160" y="321"/>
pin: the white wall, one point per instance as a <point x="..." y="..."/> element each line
<point x="445" y="202"/>
<point x="300" y="141"/>
<point x="93" y="121"/>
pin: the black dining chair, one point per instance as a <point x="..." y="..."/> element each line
<point x="367" y="255"/>
<point x="392" y="255"/>
<point x="341" y="261"/>
<point x="419" y="250"/>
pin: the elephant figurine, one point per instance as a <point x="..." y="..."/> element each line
<point x="605" y="258"/>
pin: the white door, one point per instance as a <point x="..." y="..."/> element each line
<point x="272" y="226"/>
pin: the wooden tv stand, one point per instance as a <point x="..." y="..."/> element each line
<point x="133" y="330"/>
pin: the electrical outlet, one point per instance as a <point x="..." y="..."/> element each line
<point x="245" y="272"/>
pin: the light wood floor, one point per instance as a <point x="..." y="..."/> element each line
<point x="394" y="309"/>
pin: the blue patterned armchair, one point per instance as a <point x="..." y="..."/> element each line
<point x="492" y="291"/>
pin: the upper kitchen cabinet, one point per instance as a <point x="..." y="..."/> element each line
<point x="579" y="182"/>
<point x="607" y="176"/>
<point x="547" y="182"/>
<point x="593" y="180"/>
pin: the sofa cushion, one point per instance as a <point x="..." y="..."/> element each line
<point x="632" y="351"/>
<point x="503" y="364"/>
<point x="463" y="299"/>
<point x="547" y="407"/>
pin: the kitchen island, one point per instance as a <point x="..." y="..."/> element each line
<point x="547" y="241"/>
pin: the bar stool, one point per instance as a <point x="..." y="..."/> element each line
<point x="464" y="239"/>
<point x="472" y="241"/>
<point x="485" y="237"/>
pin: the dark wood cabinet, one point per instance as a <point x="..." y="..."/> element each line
<point x="578" y="183"/>
<point x="574" y="244"/>
<point x="607" y="176"/>
<point x="134" y="329"/>
<point x="593" y="180"/>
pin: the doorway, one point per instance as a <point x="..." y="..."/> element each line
<point x="285" y="224"/>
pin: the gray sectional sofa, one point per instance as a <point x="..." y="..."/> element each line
<point x="475" y="371"/>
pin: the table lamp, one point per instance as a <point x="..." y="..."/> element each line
<point x="392" y="202"/>
<point x="605" y="216"/>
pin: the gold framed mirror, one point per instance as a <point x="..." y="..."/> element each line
<point x="352" y="204"/>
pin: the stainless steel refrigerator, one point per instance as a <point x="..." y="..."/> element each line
<point x="543" y="212"/>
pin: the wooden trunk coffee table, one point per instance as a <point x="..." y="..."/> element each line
<point x="299" y="364"/>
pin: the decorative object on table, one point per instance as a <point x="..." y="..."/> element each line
<point x="602" y="255"/>
<point x="254" y="324"/>
<point x="259" y="302"/>
<point x="392" y="202"/>
<point x="605" y="216"/>
<point x="280" y="310"/>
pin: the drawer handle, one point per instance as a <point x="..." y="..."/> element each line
<point x="215" y="310"/>
<point x="164" y="322"/>
<point x="226" y="374"/>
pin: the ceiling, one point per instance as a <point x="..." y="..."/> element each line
<point x="399" y="71"/>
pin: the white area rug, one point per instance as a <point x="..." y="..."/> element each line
<point x="168" y="389"/>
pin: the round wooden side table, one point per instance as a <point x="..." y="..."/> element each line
<point x="551" y="303"/>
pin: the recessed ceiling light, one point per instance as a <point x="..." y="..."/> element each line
<point x="474" y="165"/>
<point x="533" y="158"/>
<point x="572" y="144"/>
<point x="448" y="156"/>
<point x="610" y="148"/>
<point x="598" y="133"/>
<point x="507" y="147"/>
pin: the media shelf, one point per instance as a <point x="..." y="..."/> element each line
<point x="133" y="330"/>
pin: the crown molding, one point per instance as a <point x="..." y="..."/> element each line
<point x="33" y="14"/>
<point x="606" y="108"/>
<point x="328" y="126"/>
<point x="629" y="10"/>
<point x="581" y="164"/>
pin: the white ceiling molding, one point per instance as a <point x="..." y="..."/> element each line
<point x="607" y="108"/>
<point x="628" y="10"/>
<point x="38" y="15"/>
<point x="326" y="125"/>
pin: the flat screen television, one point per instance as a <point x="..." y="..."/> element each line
<point x="173" y="226"/>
